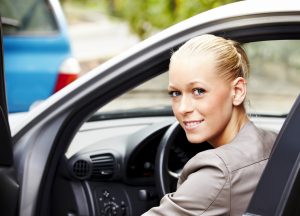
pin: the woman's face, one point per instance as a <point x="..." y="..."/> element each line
<point x="201" y="100"/>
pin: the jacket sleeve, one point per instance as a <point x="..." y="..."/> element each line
<point x="203" y="189"/>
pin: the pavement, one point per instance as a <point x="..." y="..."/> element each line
<point x="97" y="38"/>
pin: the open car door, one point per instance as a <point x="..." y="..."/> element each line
<point x="278" y="190"/>
<point x="9" y="187"/>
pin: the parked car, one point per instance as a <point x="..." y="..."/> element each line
<point x="92" y="148"/>
<point x="37" y="53"/>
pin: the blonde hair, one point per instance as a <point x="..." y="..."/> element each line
<point x="231" y="59"/>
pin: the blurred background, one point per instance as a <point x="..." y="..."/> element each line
<point x="101" y="29"/>
<point x="50" y="43"/>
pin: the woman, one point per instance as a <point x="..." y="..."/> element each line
<point x="207" y="84"/>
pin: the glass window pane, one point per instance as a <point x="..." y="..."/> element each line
<point x="274" y="80"/>
<point x="27" y="17"/>
<point x="151" y="94"/>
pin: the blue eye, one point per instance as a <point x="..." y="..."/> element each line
<point x="174" y="93"/>
<point x="198" y="91"/>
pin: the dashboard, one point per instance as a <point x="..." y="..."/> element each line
<point x="109" y="168"/>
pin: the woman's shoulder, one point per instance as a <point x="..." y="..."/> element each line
<point x="208" y="159"/>
<point x="252" y="145"/>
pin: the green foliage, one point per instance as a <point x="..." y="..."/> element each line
<point x="145" y="16"/>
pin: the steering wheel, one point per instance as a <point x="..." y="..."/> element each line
<point x="164" y="176"/>
<point x="166" y="179"/>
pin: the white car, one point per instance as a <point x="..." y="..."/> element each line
<point x="92" y="148"/>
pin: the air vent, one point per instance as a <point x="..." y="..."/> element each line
<point x="81" y="169"/>
<point x="103" y="166"/>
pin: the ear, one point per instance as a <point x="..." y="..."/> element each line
<point x="239" y="88"/>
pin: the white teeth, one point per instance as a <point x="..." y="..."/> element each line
<point x="191" y="125"/>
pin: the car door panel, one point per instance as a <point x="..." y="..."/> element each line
<point x="9" y="187"/>
<point x="281" y="174"/>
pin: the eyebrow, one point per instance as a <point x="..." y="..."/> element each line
<point x="196" y="82"/>
<point x="171" y="86"/>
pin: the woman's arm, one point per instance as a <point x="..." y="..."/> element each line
<point x="204" y="189"/>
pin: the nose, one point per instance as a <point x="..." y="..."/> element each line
<point x="186" y="105"/>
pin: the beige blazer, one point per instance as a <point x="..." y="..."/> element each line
<point x="220" y="181"/>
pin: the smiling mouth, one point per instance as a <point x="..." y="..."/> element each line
<point x="189" y="125"/>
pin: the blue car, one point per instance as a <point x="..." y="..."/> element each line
<point x="37" y="52"/>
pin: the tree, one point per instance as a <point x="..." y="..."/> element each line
<point x="146" y="16"/>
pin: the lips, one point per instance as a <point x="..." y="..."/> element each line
<point x="189" y="125"/>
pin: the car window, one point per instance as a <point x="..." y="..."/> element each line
<point x="27" y="17"/>
<point x="273" y="85"/>
<point x="274" y="77"/>
<point x="151" y="95"/>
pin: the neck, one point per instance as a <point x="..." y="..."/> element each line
<point x="238" y="119"/>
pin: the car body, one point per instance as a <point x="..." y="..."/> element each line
<point x="91" y="150"/>
<point x="37" y="53"/>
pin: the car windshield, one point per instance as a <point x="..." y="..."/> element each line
<point x="273" y="85"/>
<point x="27" y="17"/>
